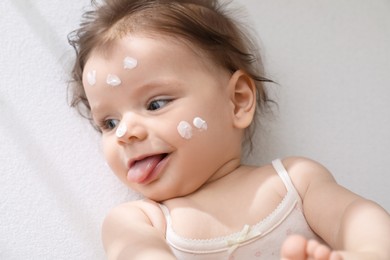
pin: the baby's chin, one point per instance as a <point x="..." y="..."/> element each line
<point x="163" y="194"/>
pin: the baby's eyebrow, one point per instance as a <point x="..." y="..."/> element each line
<point x="149" y="86"/>
<point x="155" y="85"/>
<point x="161" y="83"/>
<point x="99" y="107"/>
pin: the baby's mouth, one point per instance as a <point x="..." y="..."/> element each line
<point x="140" y="170"/>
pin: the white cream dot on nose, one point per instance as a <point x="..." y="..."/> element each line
<point x="121" y="130"/>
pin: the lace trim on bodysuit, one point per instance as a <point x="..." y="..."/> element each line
<point x="248" y="233"/>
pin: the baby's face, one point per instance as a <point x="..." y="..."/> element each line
<point x="165" y="115"/>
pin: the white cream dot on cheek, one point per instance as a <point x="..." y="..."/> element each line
<point x="91" y="77"/>
<point x="121" y="130"/>
<point x="129" y="63"/>
<point x="185" y="130"/>
<point x="200" y="123"/>
<point x="113" y="80"/>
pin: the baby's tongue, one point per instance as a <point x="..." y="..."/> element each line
<point x="142" y="169"/>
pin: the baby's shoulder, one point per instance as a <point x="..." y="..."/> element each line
<point x="305" y="173"/>
<point x="301" y="170"/>
<point x="138" y="211"/>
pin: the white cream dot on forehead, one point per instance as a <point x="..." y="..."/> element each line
<point x="200" y="123"/>
<point x="129" y="63"/>
<point x="113" y="80"/>
<point x="185" y="129"/>
<point x="121" y="130"/>
<point x="91" y="77"/>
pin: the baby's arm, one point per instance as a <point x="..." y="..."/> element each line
<point x="353" y="226"/>
<point x="128" y="233"/>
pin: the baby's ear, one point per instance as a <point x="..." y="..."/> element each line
<point x="243" y="96"/>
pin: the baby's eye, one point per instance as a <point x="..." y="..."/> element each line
<point x="109" y="124"/>
<point x="157" y="104"/>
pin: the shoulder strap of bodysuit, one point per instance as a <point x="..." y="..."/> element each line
<point x="283" y="174"/>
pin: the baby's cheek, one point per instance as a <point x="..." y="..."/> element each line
<point x="186" y="129"/>
<point x="111" y="156"/>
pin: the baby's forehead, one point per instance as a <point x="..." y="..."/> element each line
<point x="107" y="48"/>
<point x="139" y="57"/>
<point x="149" y="44"/>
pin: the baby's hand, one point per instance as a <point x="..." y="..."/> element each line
<point x="297" y="247"/>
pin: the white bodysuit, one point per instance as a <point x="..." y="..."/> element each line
<point x="260" y="241"/>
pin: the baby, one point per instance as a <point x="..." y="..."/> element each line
<point x="174" y="87"/>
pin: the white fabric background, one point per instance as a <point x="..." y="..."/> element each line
<point x="331" y="60"/>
